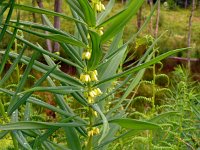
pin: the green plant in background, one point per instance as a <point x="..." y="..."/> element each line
<point x="171" y="4"/>
<point x="150" y="104"/>
<point x="102" y="118"/>
<point x="186" y="102"/>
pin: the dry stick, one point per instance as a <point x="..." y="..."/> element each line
<point x="57" y="8"/>
<point x="151" y="20"/>
<point x="48" y="42"/>
<point x="33" y="14"/>
<point x="185" y="59"/>
<point x="157" y="20"/>
<point x="139" y="18"/>
<point x="186" y="4"/>
<point x="189" y="33"/>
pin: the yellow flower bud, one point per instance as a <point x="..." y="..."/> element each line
<point x="86" y="55"/>
<point x="95" y="113"/>
<point x="102" y="7"/>
<point x="85" y="78"/>
<point x="90" y="133"/>
<point x="57" y="53"/>
<point x="93" y="132"/>
<point x="95" y="72"/>
<point x="90" y="100"/>
<point x="88" y="36"/>
<point x="92" y="93"/>
<point x="82" y="76"/>
<point x="100" y="32"/>
<point x="94" y="77"/>
<point x="98" y="7"/>
<point x="98" y="91"/>
<point x="96" y="131"/>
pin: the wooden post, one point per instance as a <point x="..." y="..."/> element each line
<point x="157" y="20"/>
<point x="57" y="8"/>
<point x="48" y="42"/>
<point x="190" y="32"/>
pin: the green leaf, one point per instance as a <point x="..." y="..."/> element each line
<point x="11" y="4"/>
<point x="21" y="100"/>
<point x="38" y="102"/>
<point x="105" y="13"/>
<point x="82" y="30"/>
<point x="142" y="66"/>
<point x="22" y="140"/>
<point x="69" y="50"/>
<point x="118" y="22"/>
<point x="3" y="134"/>
<point x="10" y="44"/>
<point x="12" y="68"/>
<point x="163" y="116"/>
<point x="55" y="37"/>
<point x="2" y="33"/>
<point x="135" y="124"/>
<point x="43" y="11"/>
<point x="57" y="90"/>
<point x="88" y="12"/>
<point x="105" y="123"/>
<point x="27" y="125"/>
<point x="75" y="6"/>
<point x="96" y="51"/>
<point x="21" y="83"/>
<point x="45" y="51"/>
<point x="59" y="75"/>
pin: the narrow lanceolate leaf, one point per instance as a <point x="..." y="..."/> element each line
<point x="163" y="116"/>
<point x="44" y="51"/>
<point x="142" y="66"/>
<point x="21" y="83"/>
<point x="57" y="90"/>
<point x="55" y="37"/>
<point x="105" y="123"/>
<point x="25" y="125"/>
<point x="23" y="99"/>
<point x="21" y="139"/>
<point x="105" y="13"/>
<point x="3" y="134"/>
<point x="96" y="50"/>
<point x="12" y="68"/>
<point x="59" y="75"/>
<point x="88" y="12"/>
<point x="75" y="7"/>
<point x="11" y="4"/>
<point x="2" y="33"/>
<point x="43" y="11"/>
<point x="43" y="104"/>
<point x="10" y="44"/>
<point x="135" y="124"/>
<point x="117" y="22"/>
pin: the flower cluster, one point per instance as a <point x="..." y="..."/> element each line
<point x="92" y="93"/>
<point x="89" y="77"/>
<point x="98" y="6"/>
<point x="93" y="132"/>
